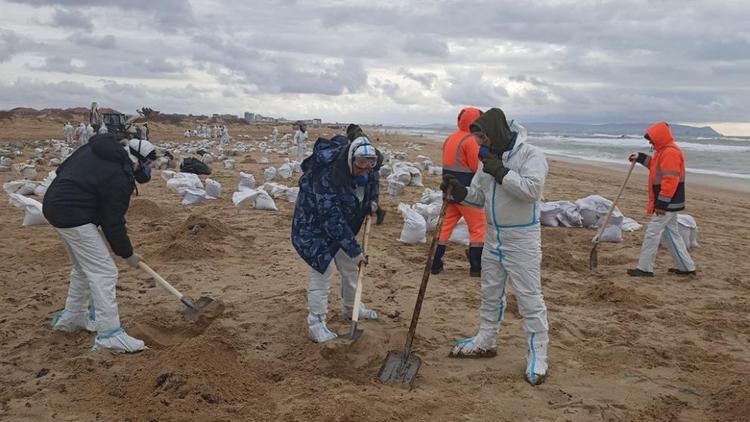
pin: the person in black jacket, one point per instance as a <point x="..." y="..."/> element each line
<point x="92" y="190"/>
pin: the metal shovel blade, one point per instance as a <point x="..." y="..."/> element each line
<point x="399" y="368"/>
<point x="593" y="258"/>
<point x="194" y="309"/>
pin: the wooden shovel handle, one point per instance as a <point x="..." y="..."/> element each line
<point x="361" y="273"/>
<point x="163" y="283"/>
<point x="614" y="203"/>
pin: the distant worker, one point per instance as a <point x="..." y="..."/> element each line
<point x="224" y="135"/>
<point x="81" y="133"/>
<point x="666" y="196"/>
<point x="338" y="190"/>
<point x="68" y="131"/>
<point x="90" y="132"/>
<point x="274" y="134"/>
<point x="103" y="129"/>
<point x="509" y="186"/>
<point x="92" y="190"/>
<point x="461" y="159"/>
<point x="354" y="131"/>
<point x="300" y="141"/>
<point x="145" y="132"/>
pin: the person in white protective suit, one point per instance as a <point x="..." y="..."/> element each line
<point x="300" y="141"/>
<point x="103" y="129"/>
<point x="509" y="184"/>
<point x="224" y="135"/>
<point x="89" y="132"/>
<point x="68" y="131"/>
<point x="92" y="192"/>
<point x="274" y="134"/>
<point x="81" y="134"/>
<point x="145" y="132"/>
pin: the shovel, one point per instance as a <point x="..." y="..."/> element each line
<point x="355" y="332"/>
<point x="193" y="309"/>
<point x="594" y="256"/>
<point x="401" y="367"/>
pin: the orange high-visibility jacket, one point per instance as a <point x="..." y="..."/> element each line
<point x="460" y="150"/>
<point x="666" y="178"/>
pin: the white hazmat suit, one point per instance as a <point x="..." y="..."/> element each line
<point x="300" y="140"/>
<point x="512" y="253"/>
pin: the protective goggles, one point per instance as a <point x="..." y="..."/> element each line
<point x="365" y="162"/>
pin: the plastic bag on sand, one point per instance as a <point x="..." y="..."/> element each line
<point x="247" y="181"/>
<point x="460" y="233"/>
<point x="193" y="196"/>
<point x="167" y="174"/>
<point x="213" y="189"/>
<point x="430" y="196"/>
<point x="254" y="198"/>
<point x="32" y="207"/>
<point x="229" y="164"/>
<point x="395" y="188"/>
<point x="269" y="174"/>
<point x="415" y="226"/>
<point x="285" y="171"/>
<point x="180" y="182"/>
<point x="291" y="194"/>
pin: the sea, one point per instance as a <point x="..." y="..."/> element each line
<point x="719" y="156"/>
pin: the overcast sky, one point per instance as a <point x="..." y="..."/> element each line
<point x="392" y="62"/>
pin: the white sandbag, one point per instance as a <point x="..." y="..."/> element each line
<point x="13" y="186"/>
<point x="460" y="233"/>
<point x="569" y="215"/>
<point x="548" y="213"/>
<point x="395" y="188"/>
<point x="28" y="172"/>
<point x="180" y="182"/>
<point x="213" y="189"/>
<point x="416" y="177"/>
<point x="435" y="170"/>
<point x="54" y="162"/>
<point x="296" y="167"/>
<point x="400" y="175"/>
<point x="269" y="174"/>
<point x="264" y="202"/>
<point x="285" y="171"/>
<point x="247" y="181"/>
<point x="193" y="196"/>
<point x="40" y="190"/>
<point x="161" y="163"/>
<point x="591" y="208"/>
<point x="5" y="164"/>
<point x="245" y="198"/>
<point x="32" y="207"/>
<point x="291" y="194"/>
<point x="207" y="158"/>
<point x="629" y="225"/>
<point x="263" y="160"/>
<point x="167" y="174"/>
<point x="276" y="190"/>
<point x="415" y="226"/>
<point x="430" y="196"/>
<point x="425" y="164"/>
<point x="385" y="171"/>
<point x="611" y="233"/>
<point x="229" y="164"/>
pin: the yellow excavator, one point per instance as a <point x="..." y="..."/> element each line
<point x="118" y="122"/>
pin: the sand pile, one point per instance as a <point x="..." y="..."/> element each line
<point x="141" y="208"/>
<point x="196" y="237"/>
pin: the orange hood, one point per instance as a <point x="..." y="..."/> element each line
<point x="660" y="135"/>
<point x="466" y="117"/>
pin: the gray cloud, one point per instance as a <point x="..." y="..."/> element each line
<point x="426" y="45"/>
<point x="427" y="79"/>
<point x="472" y="88"/>
<point x="107" y="42"/>
<point x="68" y="18"/>
<point x="8" y="44"/>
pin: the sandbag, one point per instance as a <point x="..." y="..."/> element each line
<point x="269" y="174"/>
<point x="548" y="213"/>
<point x="611" y="233"/>
<point x="395" y="187"/>
<point x="180" y="182"/>
<point x="264" y="202"/>
<point x="254" y="198"/>
<point x="28" y="172"/>
<point x="460" y="233"/>
<point x="207" y="158"/>
<point x="213" y="189"/>
<point x="229" y="164"/>
<point x="191" y="165"/>
<point x="385" y="171"/>
<point x="247" y="181"/>
<point x="276" y="190"/>
<point x="415" y="226"/>
<point x="193" y="196"/>
<point x="629" y="225"/>
<point x="291" y="194"/>
<point x="285" y="171"/>
<point x="416" y="177"/>
<point x="33" y="209"/>
<point x="167" y="174"/>
<point x="435" y="171"/>
<point x="430" y="196"/>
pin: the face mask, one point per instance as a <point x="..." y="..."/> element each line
<point x="361" y="180"/>
<point x="143" y="174"/>
<point x="484" y="151"/>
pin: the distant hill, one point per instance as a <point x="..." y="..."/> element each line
<point x="617" y="129"/>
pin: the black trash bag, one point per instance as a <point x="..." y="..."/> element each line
<point x="191" y="165"/>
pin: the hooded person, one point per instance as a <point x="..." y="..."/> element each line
<point x="666" y="196"/>
<point x="300" y="141"/>
<point x="461" y="159"/>
<point x="354" y="131"/>
<point x="90" y="132"/>
<point x="102" y="129"/>
<point x="81" y="133"/>
<point x="509" y="187"/>
<point x="68" y="130"/>
<point x="338" y="189"/>
<point x="92" y="191"/>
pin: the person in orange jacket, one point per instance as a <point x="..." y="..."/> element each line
<point x="460" y="159"/>
<point x="666" y="196"/>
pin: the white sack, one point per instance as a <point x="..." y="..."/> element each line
<point x="285" y="171"/>
<point x="213" y="189"/>
<point x="415" y="226"/>
<point x="460" y="233"/>
<point x="247" y="181"/>
<point x="269" y="174"/>
<point x="291" y="194"/>
<point x="229" y="164"/>
<point x="193" y="196"/>
<point x="395" y="188"/>
<point x="32" y="207"/>
<point x="430" y="196"/>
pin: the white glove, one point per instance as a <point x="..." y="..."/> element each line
<point x="360" y="259"/>
<point x="133" y="260"/>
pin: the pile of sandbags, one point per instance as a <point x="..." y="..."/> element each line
<point x="400" y="175"/>
<point x="190" y="187"/>
<point x="588" y="212"/>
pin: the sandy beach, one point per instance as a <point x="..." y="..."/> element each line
<point x="622" y="349"/>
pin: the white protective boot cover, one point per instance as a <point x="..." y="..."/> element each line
<point x="482" y="345"/>
<point x="317" y="328"/>
<point x="364" y="312"/>
<point x="536" y="368"/>
<point x="119" y="341"/>
<point x="69" y="321"/>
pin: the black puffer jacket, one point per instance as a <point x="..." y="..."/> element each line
<point x="94" y="186"/>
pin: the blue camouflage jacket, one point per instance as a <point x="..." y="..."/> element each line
<point x="328" y="214"/>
